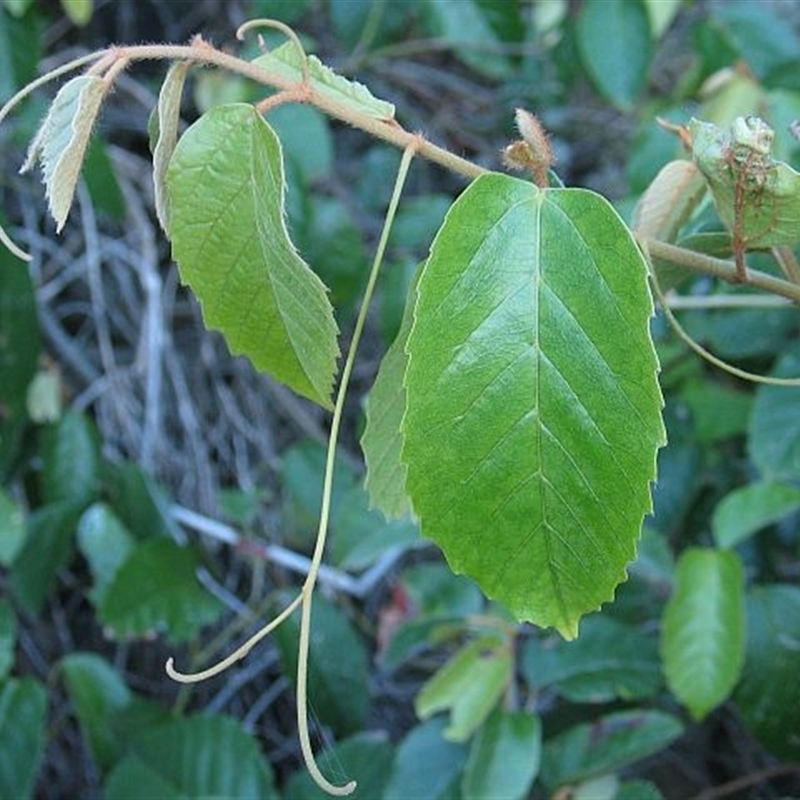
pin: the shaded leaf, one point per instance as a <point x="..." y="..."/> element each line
<point x="287" y="61"/>
<point x="703" y="629"/>
<point x="618" y="70"/>
<point x="12" y="528"/>
<point x="156" y="589"/>
<point x="96" y="691"/>
<point x="8" y="638"/>
<point x="745" y="511"/>
<point x="613" y="741"/>
<point x="198" y="756"/>
<point x="608" y="660"/>
<point x="60" y="143"/>
<point x="469" y="686"/>
<point x="382" y="441"/>
<point x="529" y="356"/>
<point x="425" y="765"/>
<point x="165" y="120"/>
<point x="225" y="183"/>
<point x="23" y="713"/>
<point x="504" y="756"/>
<point x="78" y="11"/>
<point x="769" y="693"/>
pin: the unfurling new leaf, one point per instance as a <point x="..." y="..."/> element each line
<point x="533" y="408"/>
<point x="60" y="143"/>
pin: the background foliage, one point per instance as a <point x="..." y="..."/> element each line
<point x="149" y="479"/>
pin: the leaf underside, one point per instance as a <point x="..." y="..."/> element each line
<point x="226" y="199"/>
<point x="533" y="409"/>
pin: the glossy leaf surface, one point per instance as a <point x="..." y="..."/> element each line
<point x="226" y="193"/>
<point x="703" y="629"/>
<point x="533" y="409"/>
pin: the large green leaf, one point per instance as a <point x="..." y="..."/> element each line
<point x="225" y="185"/>
<point x="23" y="713"/>
<point x="12" y="528"/>
<point x="201" y="756"/>
<point x="703" y="629"/>
<point x="533" y="409"/>
<point x="769" y="693"/>
<point x="156" y="589"/>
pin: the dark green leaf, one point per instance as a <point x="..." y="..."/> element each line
<point x="425" y="765"/>
<point x="23" y="713"/>
<point x="638" y="790"/>
<point x="615" y="45"/>
<point x="703" y="629"/>
<point x="745" y="511"/>
<point x="72" y="461"/>
<point x="96" y="691"/>
<point x="12" y="529"/>
<point x="338" y="669"/>
<point x="139" y="502"/>
<point x="769" y="693"/>
<point x="611" y="742"/>
<point x="156" y="589"/>
<point x="504" y="757"/>
<point x="101" y="180"/>
<point x="19" y="334"/>
<point x="226" y="180"/>
<point x="200" y="756"/>
<point x="8" y="638"/>
<point x="529" y="356"/>
<point x="774" y="434"/>
<point x="48" y="547"/>
<point x="608" y="660"/>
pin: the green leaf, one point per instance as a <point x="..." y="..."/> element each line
<point x="19" y="334"/>
<point x="529" y="357"/>
<point x="745" y="511"/>
<point x="769" y="693"/>
<point x="106" y="544"/>
<point x="60" y="143"/>
<point x="72" y="461"/>
<point x="226" y="193"/>
<point x="609" y="660"/>
<point x="306" y="138"/>
<point x="12" y="529"/>
<point x="48" y="547"/>
<point x="96" y="691"/>
<point x="78" y="11"/>
<point x="745" y="179"/>
<point x="8" y="638"/>
<point x="638" y="790"/>
<point x="469" y="686"/>
<point x="141" y="505"/>
<point x="425" y="765"/>
<point x="338" y="669"/>
<point x="365" y="756"/>
<point x="615" y="44"/>
<point x="382" y="441"/>
<point x="609" y="743"/>
<point x="287" y="61"/>
<point x="156" y="589"/>
<point x="198" y="756"/>
<point x="703" y="629"/>
<point x="773" y="438"/>
<point x="165" y="120"/>
<point x="23" y="713"/>
<point x="504" y="757"/>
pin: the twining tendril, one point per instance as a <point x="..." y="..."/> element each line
<point x="284" y="29"/>
<point x="305" y="597"/>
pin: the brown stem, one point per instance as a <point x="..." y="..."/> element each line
<point x="746" y="781"/>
